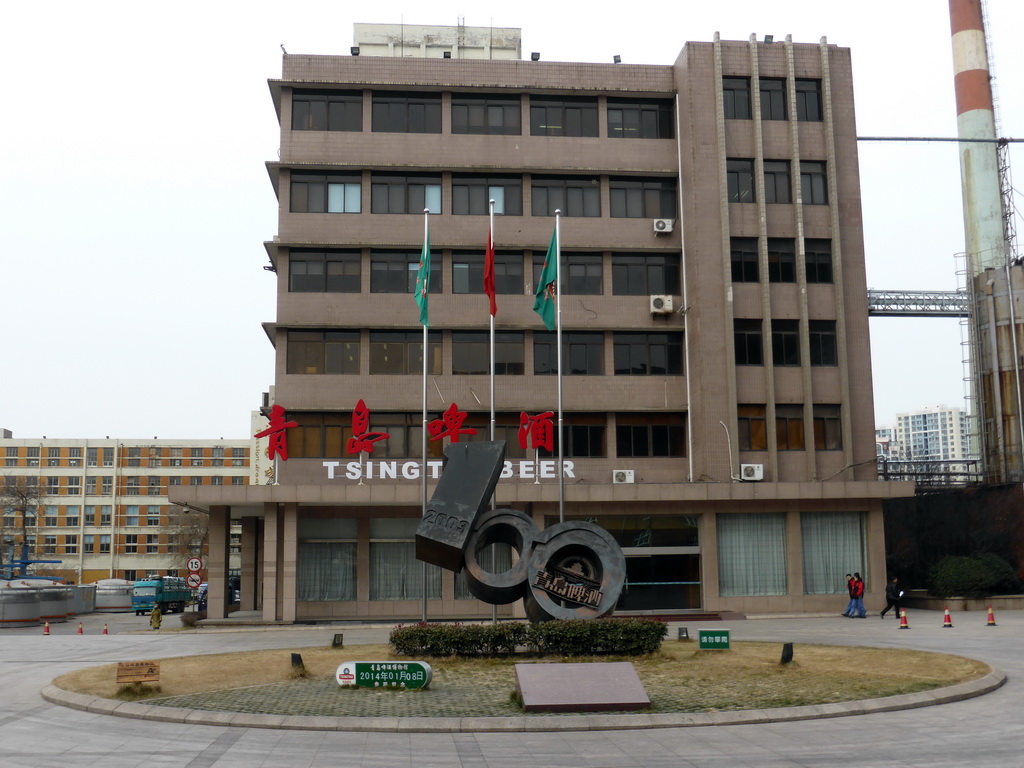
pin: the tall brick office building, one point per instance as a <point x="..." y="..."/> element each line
<point x="718" y="403"/>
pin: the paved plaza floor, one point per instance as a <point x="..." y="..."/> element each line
<point x="983" y="731"/>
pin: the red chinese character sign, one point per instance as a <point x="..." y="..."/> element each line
<point x="276" y="431"/>
<point x="362" y="439"/>
<point x="538" y="429"/>
<point x="450" y="425"/>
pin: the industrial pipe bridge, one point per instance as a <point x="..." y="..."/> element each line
<point x="917" y="303"/>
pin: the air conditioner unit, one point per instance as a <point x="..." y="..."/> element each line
<point x="664" y="225"/>
<point x="620" y="476"/>
<point x="752" y="472"/>
<point x="661" y="305"/>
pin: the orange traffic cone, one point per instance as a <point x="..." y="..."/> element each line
<point x="903" y="619"/>
<point x="105" y="630"/>
<point x="991" y="618"/>
<point x="946" y="621"/>
<point x="80" y="632"/>
<point x="46" y="628"/>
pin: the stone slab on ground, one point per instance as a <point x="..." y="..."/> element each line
<point x="590" y="687"/>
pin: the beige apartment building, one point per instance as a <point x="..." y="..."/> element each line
<point x="102" y="509"/>
<point x="717" y="376"/>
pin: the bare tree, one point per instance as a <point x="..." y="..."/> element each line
<point x="22" y="496"/>
<point x="189" y="531"/>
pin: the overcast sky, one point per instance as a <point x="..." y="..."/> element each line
<point x="134" y="199"/>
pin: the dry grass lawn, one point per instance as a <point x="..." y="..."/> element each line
<point x="678" y="678"/>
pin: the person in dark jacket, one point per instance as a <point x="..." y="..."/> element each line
<point x="850" y="606"/>
<point x="893" y="593"/>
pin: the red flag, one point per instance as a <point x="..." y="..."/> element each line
<point x="489" y="275"/>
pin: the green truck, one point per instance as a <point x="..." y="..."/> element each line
<point x="170" y="593"/>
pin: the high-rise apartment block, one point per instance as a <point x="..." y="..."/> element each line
<point x="935" y="433"/>
<point x="718" y="407"/>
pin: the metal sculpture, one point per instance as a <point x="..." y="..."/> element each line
<point x="571" y="570"/>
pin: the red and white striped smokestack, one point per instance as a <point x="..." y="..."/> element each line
<point x="979" y="169"/>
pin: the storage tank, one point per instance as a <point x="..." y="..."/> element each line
<point x="54" y="601"/>
<point x="113" y="596"/>
<point x="83" y="598"/>
<point x="19" y="604"/>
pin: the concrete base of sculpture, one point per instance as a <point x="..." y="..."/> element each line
<point x="580" y="687"/>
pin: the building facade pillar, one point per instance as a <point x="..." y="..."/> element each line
<point x="289" y="561"/>
<point x="250" y="560"/>
<point x="217" y="563"/>
<point x="270" y="561"/>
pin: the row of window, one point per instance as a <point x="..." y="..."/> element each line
<point x="646" y="435"/>
<point x="778" y="187"/>
<point x="781" y="253"/>
<point x="773" y="98"/>
<point x="395" y="272"/>
<point x="789" y="428"/>
<point x="629" y="198"/>
<point x="485" y="114"/>
<point x="96" y="515"/>
<point x="97" y="544"/>
<point x="92" y="455"/>
<point x="401" y="352"/>
<point x="97" y="485"/>
<point x="785" y="337"/>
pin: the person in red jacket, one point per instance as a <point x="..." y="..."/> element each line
<point x="858" y="597"/>
<point x="850" y="606"/>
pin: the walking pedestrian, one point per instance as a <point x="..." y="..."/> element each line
<point x="893" y="593"/>
<point x="858" y="598"/>
<point x="852" y="604"/>
<point x="154" y="618"/>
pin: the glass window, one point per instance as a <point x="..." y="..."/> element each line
<point x="808" y="100"/>
<point x="786" y="342"/>
<point x="395" y="271"/>
<point x="736" y="98"/>
<point x="330" y="352"/>
<point x="643" y="275"/>
<point x="828" y="430"/>
<point x="781" y="260"/>
<point x="471" y="195"/>
<point x="324" y="271"/>
<point x="773" y="98"/>
<point x="325" y="193"/>
<point x="71" y="518"/>
<point x="582" y="273"/>
<point x="747" y="337"/>
<point x="390" y="193"/>
<point x="407" y="112"/>
<point x="824" y="346"/>
<point x="471" y="353"/>
<point x="468" y="273"/>
<point x="566" y="116"/>
<point x="776" y="181"/>
<point x="583" y="352"/>
<point x="833" y="543"/>
<point x="652" y="434"/>
<point x="584" y="436"/>
<point x="744" y="256"/>
<point x="131" y="543"/>
<point x="813" y="183"/>
<point x="740" y="180"/>
<point x="818" y="259"/>
<point x="648" y="354"/>
<point x="153" y="515"/>
<point x="401" y="352"/>
<point x="395" y="573"/>
<point x="71" y="544"/>
<point x="104" y="543"/>
<point x="327" y="110"/>
<point x="640" y="118"/>
<point x="789" y="427"/>
<point x="751" y="553"/>
<point x="487" y="114"/>
<point x="642" y="198"/>
<point x="573" y="197"/>
<point x="326" y="571"/>
<point x="753" y="427"/>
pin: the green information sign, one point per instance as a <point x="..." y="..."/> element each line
<point x="384" y="674"/>
<point x="713" y="639"/>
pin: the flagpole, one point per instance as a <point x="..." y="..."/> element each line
<point x="558" y="352"/>
<point x="494" y="496"/>
<point x="423" y="470"/>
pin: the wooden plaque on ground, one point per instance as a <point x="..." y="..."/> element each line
<point x="580" y="687"/>
<point x="138" y="672"/>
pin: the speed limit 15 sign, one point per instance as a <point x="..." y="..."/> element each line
<point x="195" y="564"/>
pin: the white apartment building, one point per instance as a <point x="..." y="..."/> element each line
<point x="935" y="433"/>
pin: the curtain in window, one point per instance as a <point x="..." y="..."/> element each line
<point x="833" y="544"/>
<point x="326" y="571"/>
<point x="396" y="574"/>
<point x="751" y="554"/>
<point x="503" y="560"/>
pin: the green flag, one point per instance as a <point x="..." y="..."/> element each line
<point x="423" y="278"/>
<point x="545" y="303"/>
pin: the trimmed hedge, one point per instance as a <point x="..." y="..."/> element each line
<point x="621" y="637"/>
<point x="975" y="577"/>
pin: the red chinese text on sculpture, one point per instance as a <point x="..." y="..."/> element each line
<point x="450" y="425"/>
<point x="276" y="431"/>
<point x="538" y="429"/>
<point x="362" y="439"/>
